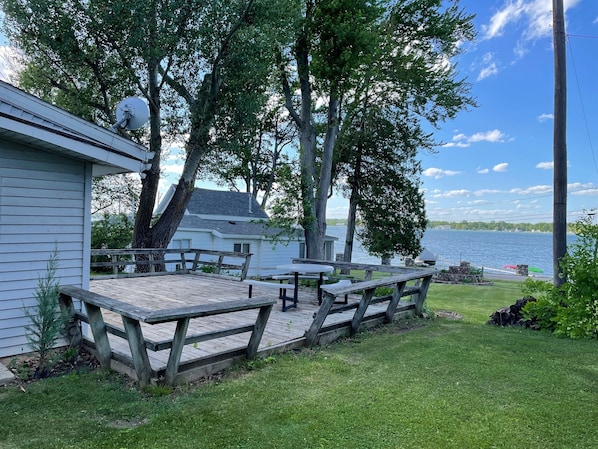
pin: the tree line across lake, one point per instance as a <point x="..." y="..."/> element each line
<point x="476" y="225"/>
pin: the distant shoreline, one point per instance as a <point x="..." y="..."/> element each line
<point x="475" y="226"/>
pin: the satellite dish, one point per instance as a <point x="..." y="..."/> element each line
<point x="131" y="113"/>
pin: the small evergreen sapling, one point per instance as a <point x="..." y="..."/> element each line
<point x="47" y="321"/>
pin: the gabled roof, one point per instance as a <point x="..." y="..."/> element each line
<point x="28" y="120"/>
<point x="217" y="203"/>
<point x="230" y="227"/>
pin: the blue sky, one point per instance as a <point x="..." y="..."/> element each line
<point x="496" y="161"/>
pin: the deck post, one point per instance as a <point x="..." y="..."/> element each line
<point x="73" y="327"/>
<point x="397" y="293"/>
<point x="312" y="333"/>
<point x="100" y="336"/>
<point x="178" y="341"/>
<point x="138" y="351"/>
<point x="423" y="292"/>
<point x="258" y="330"/>
<point x="361" y="309"/>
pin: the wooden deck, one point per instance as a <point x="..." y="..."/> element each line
<point x="284" y="330"/>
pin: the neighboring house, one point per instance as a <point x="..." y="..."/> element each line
<point x="234" y="221"/>
<point x="47" y="160"/>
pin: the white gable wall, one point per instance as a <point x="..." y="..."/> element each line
<point x="44" y="204"/>
<point x="263" y="260"/>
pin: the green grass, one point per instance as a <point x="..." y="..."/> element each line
<point x="475" y="302"/>
<point x="416" y="384"/>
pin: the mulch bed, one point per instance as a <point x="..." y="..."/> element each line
<point x="25" y="367"/>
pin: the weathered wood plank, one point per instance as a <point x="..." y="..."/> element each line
<point x="161" y="316"/>
<point x="176" y="350"/>
<point x="423" y="292"/>
<point x="138" y="350"/>
<point x="361" y="309"/>
<point x="100" y="336"/>
<point x="397" y="293"/>
<point x="122" y="308"/>
<point x="258" y="330"/>
<point x="320" y="317"/>
<point x="73" y="327"/>
<point x="282" y="330"/>
<point x="198" y="338"/>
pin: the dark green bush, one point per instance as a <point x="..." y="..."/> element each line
<point x="572" y="309"/>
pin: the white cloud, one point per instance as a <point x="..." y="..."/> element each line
<point x="500" y="168"/>
<point x="586" y="192"/>
<point x="438" y="173"/>
<point x="545" y="165"/>
<point x="545" y="117"/>
<point x="534" y="190"/>
<point x="463" y="141"/>
<point x="489" y="136"/>
<point x="483" y="171"/>
<point x="582" y="189"/>
<point x="483" y="192"/>
<point x="452" y="194"/>
<point x="487" y="71"/>
<point x="536" y="15"/>
<point x="489" y="67"/>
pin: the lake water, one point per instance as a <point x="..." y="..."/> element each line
<point x="489" y="249"/>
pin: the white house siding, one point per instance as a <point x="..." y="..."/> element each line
<point x="44" y="202"/>
<point x="265" y="256"/>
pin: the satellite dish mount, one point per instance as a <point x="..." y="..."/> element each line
<point x="131" y="114"/>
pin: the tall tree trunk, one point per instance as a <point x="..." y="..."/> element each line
<point x="142" y="234"/>
<point x="351" y="227"/>
<point x="559" y="232"/>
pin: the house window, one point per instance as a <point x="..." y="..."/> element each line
<point x="328" y="250"/>
<point x="242" y="247"/>
<point x="181" y="243"/>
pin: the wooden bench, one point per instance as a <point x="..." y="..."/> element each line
<point x="367" y="289"/>
<point x="281" y="287"/>
<point x="330" y="288"/>
<point x="133" y="316"/>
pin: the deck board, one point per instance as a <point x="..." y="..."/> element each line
<point x="163" y="292"/>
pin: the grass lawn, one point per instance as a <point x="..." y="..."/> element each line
<point x="440" y="384"/>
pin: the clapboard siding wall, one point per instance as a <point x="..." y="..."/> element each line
<point x="265" y="254"/>
<point x="44" y="202"/>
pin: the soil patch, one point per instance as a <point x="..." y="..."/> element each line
<point x="25" y="366"/>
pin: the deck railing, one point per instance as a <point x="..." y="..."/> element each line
<point x="111" y="263"/>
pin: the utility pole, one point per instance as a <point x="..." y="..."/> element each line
<point x="559" y="225"/>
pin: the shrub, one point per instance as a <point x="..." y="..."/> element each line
<point x="571" y="309"/>
<point x="47" y="321"/>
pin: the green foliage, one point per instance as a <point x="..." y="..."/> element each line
<point x="112" y="231"/>
<point x="47" y="321"/>
<point x="571" y="309"/>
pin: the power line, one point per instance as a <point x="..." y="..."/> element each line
<point x="583" y="109"/>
